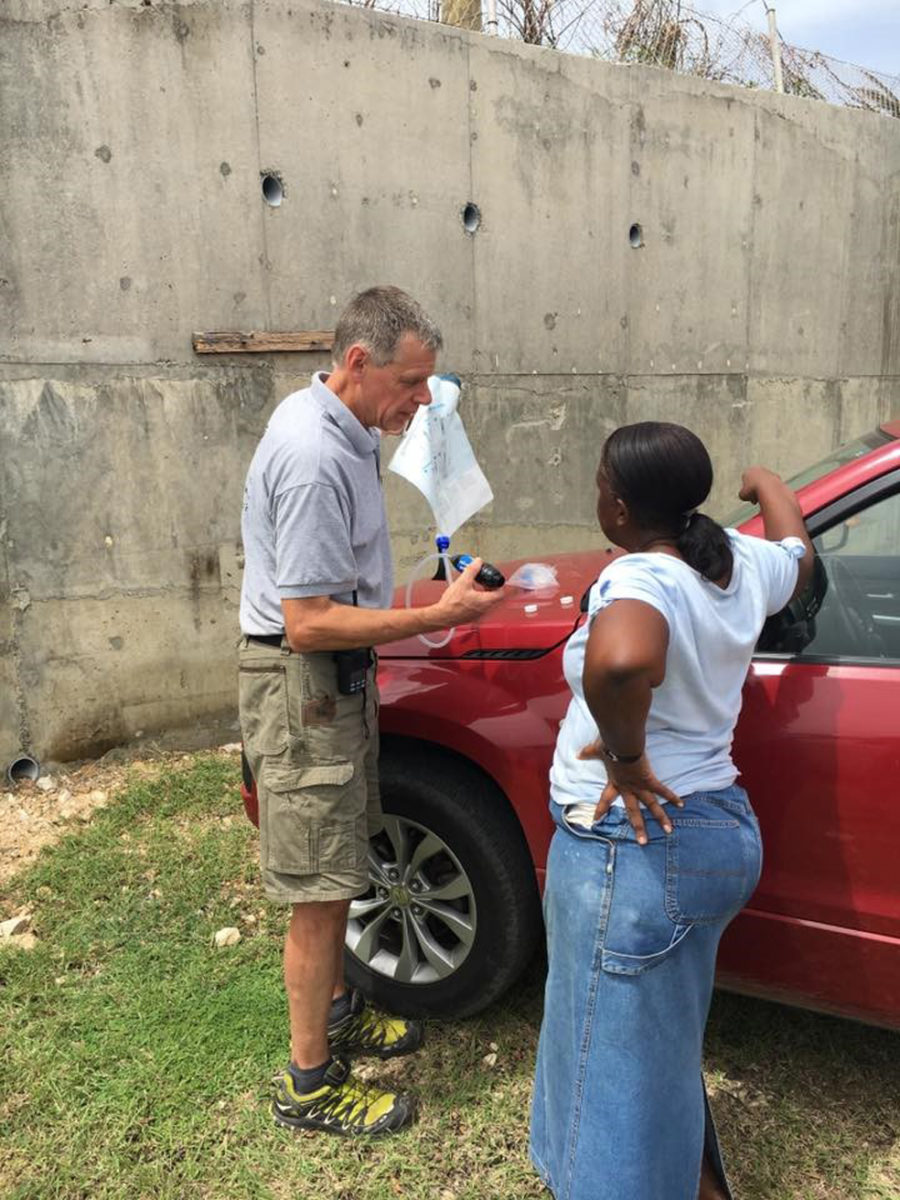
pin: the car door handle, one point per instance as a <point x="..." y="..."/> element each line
<point x="880" y="595"/>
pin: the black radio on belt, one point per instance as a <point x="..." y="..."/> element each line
<point x="352" y="666"/>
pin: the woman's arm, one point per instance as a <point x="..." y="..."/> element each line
<point x="781" y="515"/>
<point x="625" y="659"/>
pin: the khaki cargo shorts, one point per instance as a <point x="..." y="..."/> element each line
<point x="314" y="756"/>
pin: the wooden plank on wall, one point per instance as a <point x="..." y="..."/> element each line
<point x="260" y="341"/>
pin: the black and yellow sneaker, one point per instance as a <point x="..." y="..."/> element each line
<point x="341" y="1104"/>
<point x="363" y="1032"/>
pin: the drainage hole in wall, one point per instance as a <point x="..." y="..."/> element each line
<point x="636" y="236"/>
<point x="471" y="217"/>
<point x="23" y="767"/>
<point x="272" y="189"/>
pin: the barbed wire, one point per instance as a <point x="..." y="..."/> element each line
<point x="671" y="34"/>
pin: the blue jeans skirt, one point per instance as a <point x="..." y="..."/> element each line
<point x="620" y="1110"/>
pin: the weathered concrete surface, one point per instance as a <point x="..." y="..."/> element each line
<point x="760" y="306"/>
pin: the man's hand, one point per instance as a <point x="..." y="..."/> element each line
<point x="637" y="785"/>
<point x="319" y="623"/>
<point x="464" y="600"/>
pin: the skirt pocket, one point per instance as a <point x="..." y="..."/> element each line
<point x="639" y="930"/>
<point x="712" y="865"/>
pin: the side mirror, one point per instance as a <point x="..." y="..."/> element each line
<point x="835" y="539"/>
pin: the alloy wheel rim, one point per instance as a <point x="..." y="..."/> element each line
<point x="417" y="922"/>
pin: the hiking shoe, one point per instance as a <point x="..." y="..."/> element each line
<point x="364" y="1032"/>
<point x="341" y="1104"/>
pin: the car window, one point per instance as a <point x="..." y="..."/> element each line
<point x="859" y="613"/>
<point x="837" y="458"/>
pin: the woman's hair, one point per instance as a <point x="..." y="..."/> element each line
<point x="663" y="473"/>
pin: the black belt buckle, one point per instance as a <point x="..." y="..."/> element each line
<point x="352" y="666"/>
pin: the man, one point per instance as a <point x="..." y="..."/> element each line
<point x="315" y="598"/>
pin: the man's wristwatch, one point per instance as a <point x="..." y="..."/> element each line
<point x="622" y="758"/>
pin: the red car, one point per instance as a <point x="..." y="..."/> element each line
<point x="467" y="735"/>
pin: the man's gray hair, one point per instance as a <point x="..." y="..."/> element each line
<point x="378" y="318"/>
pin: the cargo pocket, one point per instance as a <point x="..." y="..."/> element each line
<point x="709" y="872"/>
<point x="342" y="845"/>
<point x="639" y="932"/>
<point x="263" y="700"/>
<point x="306" y="830"/>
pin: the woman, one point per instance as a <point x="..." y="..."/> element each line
<point x="641" y="884"/>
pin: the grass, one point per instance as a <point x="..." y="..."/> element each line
<point x="136" y="1055"/>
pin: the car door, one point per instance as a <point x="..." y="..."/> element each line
<point x="819" y="753"/>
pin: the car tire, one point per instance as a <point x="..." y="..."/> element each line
<point x="464" y="867"/>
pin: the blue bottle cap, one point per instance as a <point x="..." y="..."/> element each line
<point x="442" y="542"/>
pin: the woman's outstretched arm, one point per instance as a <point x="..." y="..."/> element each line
<point x="781" y="515"/>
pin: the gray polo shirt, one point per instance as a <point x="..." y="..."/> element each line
<point x="313" y="522"/>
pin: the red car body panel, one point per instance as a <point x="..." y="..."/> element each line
<point x="480" y="711"/>
<point x="817" y="745"/>
<point x="828" y="969"/>
<point x="819" y="754"/>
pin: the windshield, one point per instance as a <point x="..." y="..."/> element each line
<point x="837" y="458"/>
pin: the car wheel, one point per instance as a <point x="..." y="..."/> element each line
<point x="452" y="914"/>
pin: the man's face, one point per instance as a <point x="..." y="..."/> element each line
<point x="391" y="394"/>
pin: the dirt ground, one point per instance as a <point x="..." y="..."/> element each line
<point x="33" y="815"/>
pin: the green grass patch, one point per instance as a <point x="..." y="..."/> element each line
<point x="136" y="1056"/>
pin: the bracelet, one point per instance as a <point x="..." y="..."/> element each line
<point x="622" y="758"/>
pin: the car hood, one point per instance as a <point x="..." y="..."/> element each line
<point x="523" y="625"/>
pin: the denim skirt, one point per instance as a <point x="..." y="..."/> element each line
<point x="620" y="1109"/>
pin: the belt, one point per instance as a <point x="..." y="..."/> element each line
<point x="267" y="639"/>
<point x="275" y="639"/>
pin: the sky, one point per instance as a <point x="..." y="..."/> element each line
<point x="865" y="32"/>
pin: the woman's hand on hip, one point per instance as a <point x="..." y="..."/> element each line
<point x="637" y="785"/>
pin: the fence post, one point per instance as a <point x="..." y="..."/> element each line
<point x="776" y="48"/>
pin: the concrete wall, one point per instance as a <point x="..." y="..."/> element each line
<point x="763" y="308"/>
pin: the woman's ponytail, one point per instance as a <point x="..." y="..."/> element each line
<point x="704" y="545"/>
